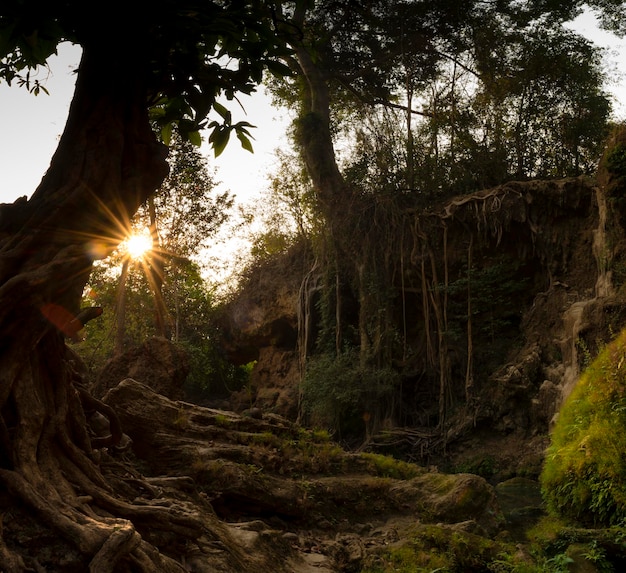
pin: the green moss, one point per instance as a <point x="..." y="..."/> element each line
<point x="553" y="542"/>
<point x="386" y="466"/>
<point x="553" y="548"/>
<point x="546" y="531"/>
<point x="320" y="436"/>
<point x="584" y="476"/>
<point x="296" y="451"/>
<point x="432" y="548"/>
<point x="409" y="559"/>
<point x="221" y="420"/>
<point x="268" y="439"/>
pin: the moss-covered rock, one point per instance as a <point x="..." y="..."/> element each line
<point x="584" y="476"/>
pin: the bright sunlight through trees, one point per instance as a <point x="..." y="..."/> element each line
<point x="137" y="245"/>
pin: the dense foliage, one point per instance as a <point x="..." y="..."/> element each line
<point x="187" y="56"/>
<point x="189" y="297"/>
<point x="341" y="394"/>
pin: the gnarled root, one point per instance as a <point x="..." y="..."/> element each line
<point x="119" y="544"/>
<point x="108" y="544"/>
<point x="50" y="466"/>
<point x="92" y="407"/>
<point x="11" y="563"/>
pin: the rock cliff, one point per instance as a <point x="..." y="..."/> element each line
<point x="549" y="258"/>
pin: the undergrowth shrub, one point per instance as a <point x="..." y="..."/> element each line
<point x="616" y="161"/>
<point x="584" y="475"/>
<point x="345" y="397"/>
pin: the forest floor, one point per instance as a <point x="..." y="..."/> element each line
<point x="273" y="497"/>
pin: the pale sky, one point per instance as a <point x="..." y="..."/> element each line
<point x="30" y="126"/>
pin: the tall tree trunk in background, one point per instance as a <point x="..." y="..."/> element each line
<point x="156" y="271"/>
<point x="341" y="206"/>
<point x="107" y="163"/>
<point x="314" y="132"/>
<point x="315" y="141"/>
<point x="120" y="310"/>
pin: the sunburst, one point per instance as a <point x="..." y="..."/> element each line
<point x="138" y="245"/>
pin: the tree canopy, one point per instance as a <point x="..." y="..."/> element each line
<point x="185" y="54"/>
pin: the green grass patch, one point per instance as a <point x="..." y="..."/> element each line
<point x="386" y="466"/>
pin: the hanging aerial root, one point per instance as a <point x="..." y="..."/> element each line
<point x="484" y="204"/>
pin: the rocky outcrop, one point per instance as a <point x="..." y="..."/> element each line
<point x="158" y="363"/>
<point x="262" y="326"/>
<point x="276" y="497"/>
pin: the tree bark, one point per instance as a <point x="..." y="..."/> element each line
<point x="317" y="148"/>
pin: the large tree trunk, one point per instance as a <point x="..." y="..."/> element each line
<point x="316" y="142"/>
<point x="340" y="203"/>
<point x="107" y="163"/>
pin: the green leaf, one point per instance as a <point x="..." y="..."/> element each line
<point x="195" y="138"/>
<point x="242" y="124"/>
<point x="219" y="108"/>
<point x="218" y="139"/>
<point x="39" y="88"/>
<point x="245" y="141"/>
<point x="166" y="133"/>
<point x="278" y="69"/>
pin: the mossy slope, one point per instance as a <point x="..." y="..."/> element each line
<point x="584" y="476"/>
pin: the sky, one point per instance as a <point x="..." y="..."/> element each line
<point x="30" y="126"/>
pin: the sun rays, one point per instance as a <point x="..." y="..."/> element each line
<point x="138" y="245"/>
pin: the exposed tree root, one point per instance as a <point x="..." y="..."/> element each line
<point x="49" y="455"/>
<point x="64" y="519"/>
<point x="119" y="544"/>
<point x="53" y="470"/>
<point x="11" y="563"/>
<point x="91" y="406"/>
<point x="104" y="541"/>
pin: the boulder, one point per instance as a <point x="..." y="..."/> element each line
<point x="158" y="363"/>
